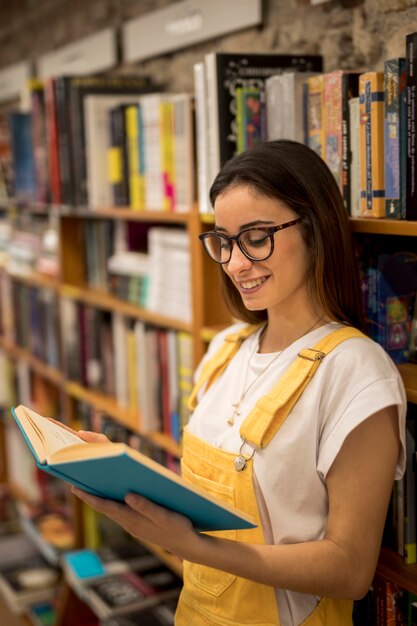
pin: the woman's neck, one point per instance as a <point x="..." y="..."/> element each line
<point x="278" y="334"/>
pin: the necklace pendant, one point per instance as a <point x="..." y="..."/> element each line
<point x="240" y="463"/>
<point x="231" y="420"/>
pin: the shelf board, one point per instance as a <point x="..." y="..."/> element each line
<point x="43" y="369"/>
<point x="36" y="279"/>
<point x="126" y="214"/>
<point x="126" y="417"/>
<point x="391" y="566"/>
<point x="384" y="226"/>
<point x="110" y="212"/>
<point x="208" y="332"/>
<point x="101" y="300"/>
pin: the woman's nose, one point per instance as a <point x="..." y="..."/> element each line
<point x="238" y="261"/>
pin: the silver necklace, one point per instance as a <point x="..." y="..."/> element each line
<point x="236" y="405"/>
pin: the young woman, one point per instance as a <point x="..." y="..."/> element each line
<point x="298" y="418"/>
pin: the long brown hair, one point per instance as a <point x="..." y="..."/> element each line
<point x="293" y="173"/>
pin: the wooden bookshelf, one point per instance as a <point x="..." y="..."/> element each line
<point x="43" y="369"/>
<point x="384" y="226"/>
<point x="128" y="214"/>
<point x="391" y="566"/>
<point x="124" y="416"/>
<point x="102" y="300"/>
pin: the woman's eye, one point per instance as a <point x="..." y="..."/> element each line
<point x="256" y="239"/>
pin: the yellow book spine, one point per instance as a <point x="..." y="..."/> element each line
<point x="136" y="186"/>
<point x="132" y="369"/>
<point x="167" y="147"/>
<point x="114" y="163"/>
<point x="371" y="130"/>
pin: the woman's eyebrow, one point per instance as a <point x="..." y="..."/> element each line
<point x="253" y="224"/>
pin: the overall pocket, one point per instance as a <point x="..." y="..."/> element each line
<point x="210" y="580"/>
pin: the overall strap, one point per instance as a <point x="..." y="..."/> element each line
<point x="214" y="367"/>
<point x="271" y="411"/>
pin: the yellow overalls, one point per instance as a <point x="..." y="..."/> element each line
<point x="212" y="597"/>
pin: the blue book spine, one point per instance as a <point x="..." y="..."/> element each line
<point x="22" y="153"/>
<point x="395" y="137"/>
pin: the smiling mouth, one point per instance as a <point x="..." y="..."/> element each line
<point x="252" y="284"/>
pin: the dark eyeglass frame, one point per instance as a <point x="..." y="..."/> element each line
<point x="268" y="230"/>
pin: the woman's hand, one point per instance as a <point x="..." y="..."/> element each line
<point x="147" y="522"/>
<point x="91" y="437"/>
<point x="86" y="435"/>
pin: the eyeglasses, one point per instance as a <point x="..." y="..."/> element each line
<point x="257" y="244"/>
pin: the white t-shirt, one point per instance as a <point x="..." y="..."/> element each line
<point x="354" y="381"/>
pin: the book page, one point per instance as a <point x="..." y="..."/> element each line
<point x="46" y="436"/>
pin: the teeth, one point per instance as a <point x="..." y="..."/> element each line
<point x="250" y="284"/>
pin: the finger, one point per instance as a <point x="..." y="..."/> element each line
<point x="100" y="504"/>
<point x="92" y="437"/>
<point x="154" y="512"/>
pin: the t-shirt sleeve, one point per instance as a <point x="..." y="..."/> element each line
<point x="344" y="414"/>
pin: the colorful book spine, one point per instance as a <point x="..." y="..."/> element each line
<point x="314" y="114"/>
<point x="338" y="87"/>
<point x="355" y="162"/>
<point x="411" y="82"/>
<point x="371" y="104"/>
<point x="395" y="145"/>
<point x="248" y="117"/>
<point x="166" y="111"/>
<point x="136" y="187"/>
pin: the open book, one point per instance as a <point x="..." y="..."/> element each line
<point x="112" y="470"/>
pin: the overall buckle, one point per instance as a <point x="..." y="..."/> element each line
<point x="318" y="356"/>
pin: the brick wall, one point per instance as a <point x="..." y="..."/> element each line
<point x="358" y="37"/>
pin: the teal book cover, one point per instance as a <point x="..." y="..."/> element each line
<point x="112" y="470"/>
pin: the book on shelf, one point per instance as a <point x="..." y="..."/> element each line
<point x="118" y="156"/>
<point x="216" y="85"/>
<point x="27" y="580"/>
<point x="130" y="590"/>
<point x="97" y="109"/>
<point x="71" y="93"/>
<point x="355" y="163"/>
<point x="43" y="613"/>
<point x="413" y="336"/>
<point x="112" y="470"/>
<point x="52" y="139"/>
<point x="39" y="140"/>
<point x="162" y="614"/>
<point x="135" y="157"/>
<point x="6" y="166"/>
<point x="24" y="180"/>
<point x="411" y="87"/>
<point x="250" y="113"/>
<point x="314" y="113"/>
<point x="338" y="87"/>
<point x="372" y="114"/>
<point x="395" y="137"/>
<point x="391" y="289"/>
<point x="285" y="104"/>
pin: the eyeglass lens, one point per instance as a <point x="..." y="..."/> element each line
<point x="254" y="242"/>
